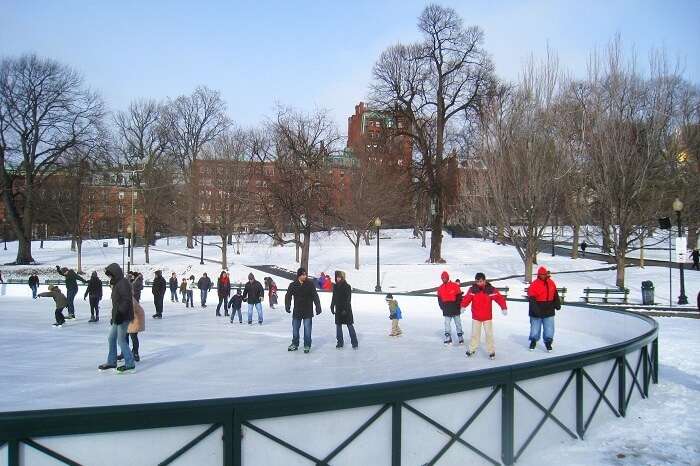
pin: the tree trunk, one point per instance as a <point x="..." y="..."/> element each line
<point x="575" y="241"/>
<point x="366" y="236"/>
<point x="79" y="244"/>
<point x="224" y="252"/>
<point x="422" y="237"/>
<point x="296" y="245"/>
<point x="620" y="278"/>
<point x="306" y="240"/>
<point x="146" y="250"/>
<point x="528" y="267"/>
<point x="72" y="244"/>
<point x="357" y="253"/>
<point x="606" y="237"/>
<point x="436" y="236"/>
<point x="641" y="251"/>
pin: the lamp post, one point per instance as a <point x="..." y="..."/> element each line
<point x="378" y="224"/>
<point x="132" y="227"/>
<point x="128" y="264"/>
<point x="201" y="249"/>
<point x="678" y="207"/>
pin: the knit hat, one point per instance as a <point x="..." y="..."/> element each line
<point x="389" y="297"/>
<point x="542" y="271"/>
<point x="444" y="276"/>
<point x="301" y="271"/>
<point x="340" y="274"/>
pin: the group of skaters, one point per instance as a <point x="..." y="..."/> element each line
<point x="302" y="301"/>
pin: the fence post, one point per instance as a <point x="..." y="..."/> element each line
<point x="655" y="360"/>
<point x="237" y="438"/>
<point x="396" y="433"/>
<point x="13" y="452"/>
<point x="507" y="422"/>
<point x="621" y="385"/>
<point x="228" y="439"/>
<point x="645" y="370"/>
<point x="579" y="402"/>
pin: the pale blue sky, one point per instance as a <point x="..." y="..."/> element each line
<point x="312" y="53"/>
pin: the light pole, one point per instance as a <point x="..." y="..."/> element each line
<point x="128" y="263"/>
<point x="678" y="207"/>
<point x="378" y="224"/>
<point x="201" y="249"/>
<point x="132" y="227"/>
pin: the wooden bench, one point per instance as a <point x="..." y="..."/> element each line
<point x="605" y="294"/>
<point x="561" y="291"/>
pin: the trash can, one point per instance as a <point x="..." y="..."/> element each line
<point x="647" y="293"/>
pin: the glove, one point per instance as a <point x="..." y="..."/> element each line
<point x="318" y="311"/>
<point x="288" y="310"/>
<point x="333" y="312"/>
<point x="504" y="312"/>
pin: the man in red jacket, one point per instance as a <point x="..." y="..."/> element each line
<point x="449" y="295"/>
<point x="544" y="300"/>
<point x="481" y="295"/>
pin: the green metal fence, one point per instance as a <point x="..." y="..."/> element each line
<point x="233" y="415"/>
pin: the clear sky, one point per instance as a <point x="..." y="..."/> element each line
<point x="313" y="54"/>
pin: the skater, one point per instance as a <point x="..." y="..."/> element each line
<point x="695" y="255"/>
<point x="172" y="283"/>
<point x="271" y="291"/>
<point x="394" y="315"/>
<point x="122" y="314"/>
<point x="449" y="295"/>
<point x="71" y="287"/>
<point x="583" y="249"/>
<point x="204" y="285"/>
<point x="60" y="301"/>
<point x="136" y="285"/>
<point x="544" y="301"/>
<point x="94" y="292"/>
<point x="190" y="292"/>
<point x="328" y="283"/>
<point x="321" y="280"/>
<point x="341" y="307"/>
<point x="254" y="293"/>
<point x="235" y="305"/>
<point x="183" y="291"/>
<point x="33" y="283"/>
<point x="305" y="298"/>
<point x="223" y="289"/>
<point x="481" y="296"/>
<point x="158" y="290"/>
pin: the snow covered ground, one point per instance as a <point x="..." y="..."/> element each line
<point x="193" y="354"/>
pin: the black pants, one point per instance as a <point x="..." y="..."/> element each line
<point x="222" y="300"/>
<point x="134" y="342"/>
<point x="59" y="316"/>
<point x="696" y="265"/>
<point x="158" y="302"/>
<point x="95" y="306"/>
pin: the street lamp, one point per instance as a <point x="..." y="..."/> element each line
<point x="378" y="224"/>
<point x="678" y="207"/>
<point x="129" y="232"/>
<point x="132" y="228"/>
<point x="201" y="249"/>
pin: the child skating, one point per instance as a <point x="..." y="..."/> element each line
<point x="394" y="315"/>
<point x="61" y="303"/>
<point x="449" y="295"/>
<point x="235" y="304"/>
<point x="481" y="296"/>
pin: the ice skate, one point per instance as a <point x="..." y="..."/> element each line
<point x="448" y="339"/>
<point x="492" y="356"/>
<point x="548" y="345"/>
<point x="461" y="339"/>
<point x="292" y="347"/>
<point x="307" y="349"/>
<point x="105" y="367"/>
<point x="533" y="343"/>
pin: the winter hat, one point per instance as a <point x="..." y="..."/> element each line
<point x="238" y="291"/>
<point x="444" y="276"/>
<point x="542" y="271"/>
<point x="158" y="273"/>
<point x="251" y="276"/>
<point x="480" y="276"/>
<point x="301" y="271"/>
<point x="389" y="297"/>
<point x="340" y="274"/>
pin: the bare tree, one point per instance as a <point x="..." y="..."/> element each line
<point x="45" y="111"/>
<point x="191" y="123"/>
<point x="436" y="87"/>
<point x="297" y="195"/>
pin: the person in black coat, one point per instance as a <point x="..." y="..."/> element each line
<point x="254" y="293"/>
<point x="204" y="285"/>
<point x="71" y="287"/>
<point x="305" y="298"/>
<point x="174" y="285"/>
<point x="341" y="307"/>
<point x="122" y="314"/>
<point x="33" y="283"/>
<point x="94" y="291"/>
<point x="158" y="290"/>
<point x="136" y="285"/>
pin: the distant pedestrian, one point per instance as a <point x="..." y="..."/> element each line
<point x="449" y="295"/>
<point x="583" y="248"/>
<point x="190" y="292"/>
<point x="235" y="304"/>
<point x="122" y="314"/>
<point x="223" y="290"/>
<point x="696" y="259"/>
<point x="544" y="301"/>
<point x="253" y="294"/>
<point x="305" y="298"/>
<point x="71" y="287"/>
<point x="136" y="285"/>
<point x="59" y="300"/>
<point x="481" y="296"/>
<point x="183" y="291"/>
<point x="94" y="292"/>
<point x="158" y="290"/>
<point x="33" y="283"/>
<point x="394" y="315"/>
<point x="271" y="291"/>
<point x="172" y="283"/>
<point x="204" y="285"/>
<point x="341" y="307"/>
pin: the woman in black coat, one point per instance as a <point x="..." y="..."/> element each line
<point x="341" y="306"/>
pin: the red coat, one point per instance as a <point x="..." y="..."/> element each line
<point x="544" y="299"/>
<point x="448" y="298"/>
<point x="481" y="300"/>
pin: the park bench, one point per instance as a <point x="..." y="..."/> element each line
<point x="561" y="291"/>
<point x="605" y="294"/>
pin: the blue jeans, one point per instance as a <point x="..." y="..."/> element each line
<point x="118" y="334"/>
<point x="71" y="296"/>
<point x="34" y="288"/>
<point x="458" y="324"/>
<point x="203" y="296"/>
<point x="296" y="323"/>
<point x="339" y="334"/>
<point x="189" y="300"/>
<point x="233" y="313"/>
<point x="173" y="295"/>
<point x="258" y="306"/>
<point x="537" y="324"/>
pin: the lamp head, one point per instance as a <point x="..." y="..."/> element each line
<point x="677" y="205"/>
<point x="377" y="222"/>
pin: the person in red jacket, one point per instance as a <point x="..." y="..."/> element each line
<point x="481" y="295"/>
<point x="544" y="300"/>
<point x="449" y="295"/>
